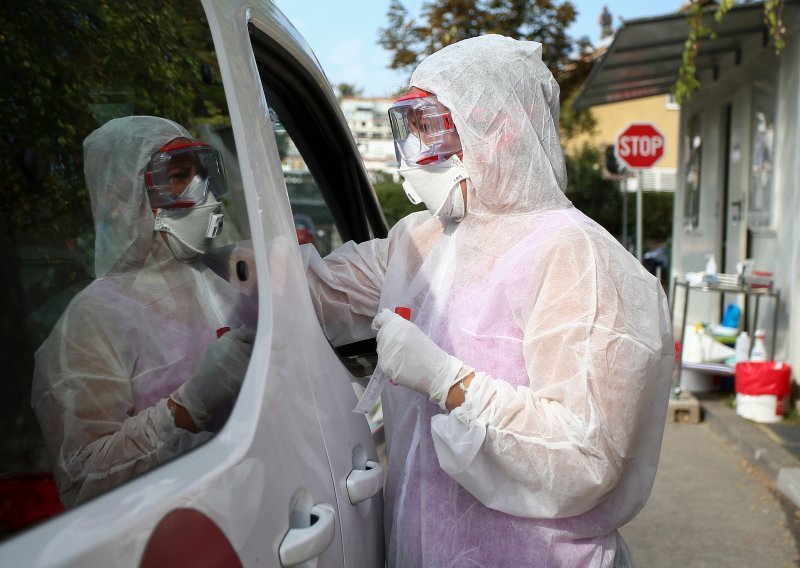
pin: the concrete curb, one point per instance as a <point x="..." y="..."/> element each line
<point x="780" y="465"/>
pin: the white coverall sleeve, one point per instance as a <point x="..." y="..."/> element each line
<point x="557" y="447"/>
<point x="345" y="287"/>
<point x="84" y="402"/>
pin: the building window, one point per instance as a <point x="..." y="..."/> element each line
<point x="692" y="152"/>
<point x="759" y="215"/>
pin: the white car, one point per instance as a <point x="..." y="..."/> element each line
<point x="293" y="477"/>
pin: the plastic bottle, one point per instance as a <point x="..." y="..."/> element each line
<point x="742" y="347"/>
<point x="711" y="265"/>
<point x="759" y="352"/>
<point x="692" y="347"/>
<point x="707" y="342"/>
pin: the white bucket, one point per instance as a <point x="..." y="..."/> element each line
<point x="696" y="381"/>
<point x="759" y="408"/>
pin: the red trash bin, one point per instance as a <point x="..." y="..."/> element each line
<point x="760" y="389"/>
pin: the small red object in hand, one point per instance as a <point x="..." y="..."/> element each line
<point x="222" y="331"/>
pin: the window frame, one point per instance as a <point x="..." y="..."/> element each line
<point x="692" y="155"/>
<point x="320" y="133"/>
<point x="761" y="217"/>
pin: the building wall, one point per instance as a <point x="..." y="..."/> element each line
<point x="369" y="123"/>
<point x="612" y="118"/>
<point x="726" y="109"/>
<point x="787" y="238"/>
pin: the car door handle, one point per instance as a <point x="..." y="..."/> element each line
<point x="364" y="483"/>
<point x="301" y="545"/>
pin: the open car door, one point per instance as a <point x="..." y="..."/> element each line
<point x="293" y="476"/>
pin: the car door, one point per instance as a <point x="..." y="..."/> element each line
<point x="270" y="488"/>
<point x="326" y="181"/>
<point x="338" y="193"/>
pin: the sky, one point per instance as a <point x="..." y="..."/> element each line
<point x="344" y="33"/>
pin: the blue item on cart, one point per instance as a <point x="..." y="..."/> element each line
<point x="732" y="315"/>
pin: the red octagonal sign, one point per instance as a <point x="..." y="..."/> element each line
<point x="640" y="145"/>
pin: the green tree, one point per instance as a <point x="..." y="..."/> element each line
<point x="394" y="203"/>
<point x="598" y="198"/>
<point x="656" y="216"/>
<point x="348" y="90"/>
<point x="448" y="21"/>
<point x="67" y="67"/>
<point x="601" y="199"/>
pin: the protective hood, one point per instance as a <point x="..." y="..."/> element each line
<point x="115" y="157"/>
<point x="504" y="103"/>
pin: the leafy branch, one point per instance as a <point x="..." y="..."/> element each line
<point x="700" y="28"/>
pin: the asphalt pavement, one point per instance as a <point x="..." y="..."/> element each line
<point x="712" y="506"/>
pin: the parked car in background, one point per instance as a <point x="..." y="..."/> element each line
<point x="293" y="476"/>
<point x="305" y="229"/>
<point x="656" y="260"/>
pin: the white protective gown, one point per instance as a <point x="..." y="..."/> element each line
<point x="557" y="443"/>
<point x="133" y="336"/>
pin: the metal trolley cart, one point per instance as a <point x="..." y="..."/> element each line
<point x="748" y="291"/>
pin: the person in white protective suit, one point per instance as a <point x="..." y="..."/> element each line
<point x="133" y="373"/>
<point x="530" y="388"/>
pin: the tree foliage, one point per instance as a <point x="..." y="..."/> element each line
<point x="597" y="197"/>
<point x="68" y="67"/>
<point x="448" y="21"/>
<point x="348" y="90"/>
<point x="601" y="199"/>
<point x="394" y="203"/>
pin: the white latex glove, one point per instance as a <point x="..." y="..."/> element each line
<point x="218" y="377"/>
<point x="410" y="358"/>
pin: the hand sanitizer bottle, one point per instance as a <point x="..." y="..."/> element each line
<point x="711" y="265"/>
<point x="742" y="347"/>
<point x="759" y="352"/>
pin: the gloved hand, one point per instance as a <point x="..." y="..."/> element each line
<point x="218" y="377"/>
<point x="410" y="358"/>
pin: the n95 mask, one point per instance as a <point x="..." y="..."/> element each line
<point x="438" y="186"/>
<point x="189" y="231"/>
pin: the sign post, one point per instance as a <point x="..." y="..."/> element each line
<point x="640" y="145"/>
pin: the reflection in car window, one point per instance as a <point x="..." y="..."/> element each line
<point x="313" y="220"/>
<point x="105" y="316"/>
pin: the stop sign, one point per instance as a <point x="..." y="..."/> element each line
<point x="640" y="145"/>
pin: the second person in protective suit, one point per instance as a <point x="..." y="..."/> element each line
<point x="531" y="384"/>
<point x="133" y="374"/>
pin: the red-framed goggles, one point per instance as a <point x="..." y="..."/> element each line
<point x="180" y="175"/>
<point x="423" y="129"/>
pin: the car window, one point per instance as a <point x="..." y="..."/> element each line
<point x="327" y="184"/>
<point x="91" y="349"/>
<point x="313" y="220"/>
<point x="315" y="144"/>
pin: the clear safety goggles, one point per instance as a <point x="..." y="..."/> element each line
<point x="423" y="129"/>
<point x="180" y="175"/>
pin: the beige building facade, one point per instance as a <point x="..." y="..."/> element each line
<point x="612" y="118"/>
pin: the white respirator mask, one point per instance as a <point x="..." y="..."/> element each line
<point x="190" y="230"/>
<point x="437" y="185"/>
